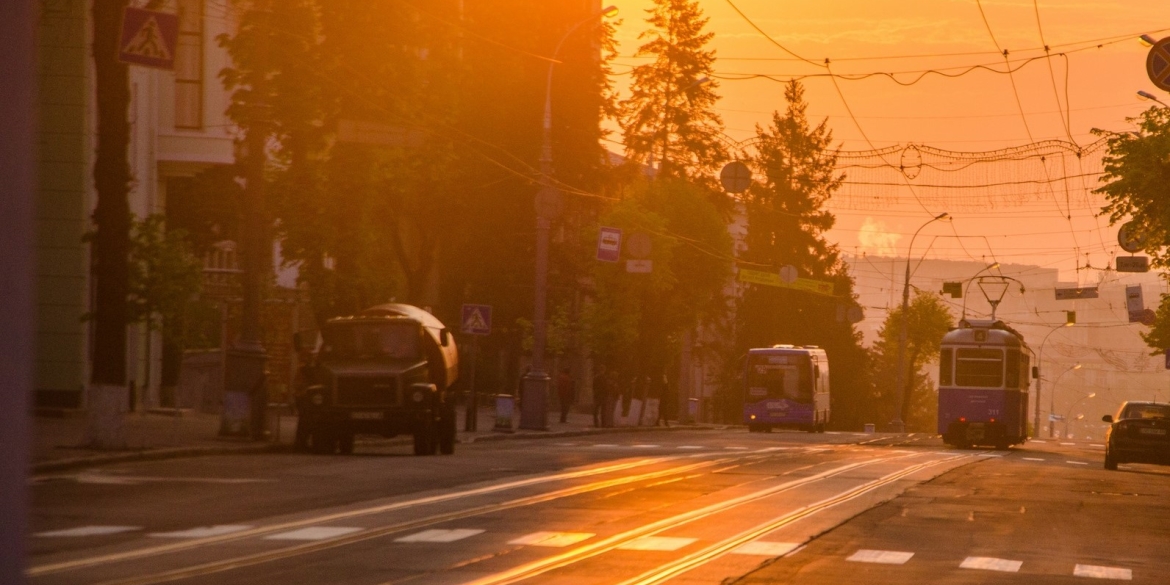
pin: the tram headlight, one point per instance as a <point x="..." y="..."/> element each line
<point x="418" y="396"/>
<point x="318" y="399"/>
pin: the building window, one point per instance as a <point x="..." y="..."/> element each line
<point x="189" y="66"/>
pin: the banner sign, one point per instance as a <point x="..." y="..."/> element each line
<point x="773" y="279"/>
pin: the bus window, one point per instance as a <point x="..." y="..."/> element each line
<point x="771" y="376"/>
<point x="1012" y="369"/>
<point x="946" y="366"/>
<point x="979" y="368"/>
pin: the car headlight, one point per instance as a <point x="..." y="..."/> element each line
<point x="318" y="399"/>
<point x="418" y="396"/>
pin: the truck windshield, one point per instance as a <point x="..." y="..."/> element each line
<point x="778" y="376"/>
<point x="371" y="340"/>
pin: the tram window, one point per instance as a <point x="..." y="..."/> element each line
<point x="1012" y="369"/>
<point x="946" y="366"/>
<point x="980" y="368"/>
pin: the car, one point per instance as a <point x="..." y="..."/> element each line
<point x="1139" y="433"/>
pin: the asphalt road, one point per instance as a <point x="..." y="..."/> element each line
<point x="659" y="507"/>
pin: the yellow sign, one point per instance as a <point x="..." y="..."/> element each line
<point x="772" y="279"/>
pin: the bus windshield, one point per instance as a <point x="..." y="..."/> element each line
<point x="778" y="376"/>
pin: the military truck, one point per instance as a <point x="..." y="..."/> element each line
<point x="386" y="371"/>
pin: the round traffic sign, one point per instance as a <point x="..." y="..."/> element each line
<point x="1130" y="237"/>
<point x="1158" y="64"/>
<point x="788" y="273"/>
<point x="736" y="177"/>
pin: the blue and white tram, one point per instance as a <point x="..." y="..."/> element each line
<point x="984" y="375"/>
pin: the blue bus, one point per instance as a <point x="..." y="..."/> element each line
<point x="787" y="387"/>
<point x="984" y="375"/>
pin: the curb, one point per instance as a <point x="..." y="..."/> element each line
<point x="202" y="451"/>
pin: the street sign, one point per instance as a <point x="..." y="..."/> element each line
<point x="476" y="320"/>
<point x="736" y="177"/>
<point x="1133" y="264"/>
<point x="1072" y="294"/>
<point x="638" y="245"/>
<point x="1158" y="64"/>
<point x="640" y="266"/>
<point x="955" y="289"/>
<point x="609" y="244"/>
<point x="1055" y="417"/>
<point x="1130" y="237"/>
<point x="773" y="279"/>
<point x="148" y="38"/>
<point x="1134" y="302"/>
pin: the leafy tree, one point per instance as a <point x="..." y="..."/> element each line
<point x="787" y="220"/>
<point x="670" y="115"/>
<point x="927" y="321"/>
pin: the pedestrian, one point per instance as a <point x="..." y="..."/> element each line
<point x="306" y="377"/>
<point x="665" y="402"/>
<point x="565" y="392"/>
<point x="600" y="396"/>
<point x="259" y="403"/>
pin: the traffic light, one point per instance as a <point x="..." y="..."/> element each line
<point x="1070" y="317"/>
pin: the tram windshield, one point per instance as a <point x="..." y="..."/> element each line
<point x="779" y="376"/>
<point x="979" y="367"/>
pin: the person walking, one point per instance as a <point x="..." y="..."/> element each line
<point x="565" y="392"/>
<point x="665" y="402"/>
<point x="600" y="396"/>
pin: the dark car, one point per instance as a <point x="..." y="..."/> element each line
<point x="1140" y="433"/>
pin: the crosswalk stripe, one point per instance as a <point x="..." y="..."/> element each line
<point x="202" y="532"/>
<point x="659" y="543"/>
<point x="1099" y="572"/>
<point x="991" y="564"/>
<point x="440" y="535"/>
<point x="554" y="539"/>
<point x="88" y="531"/>
<point x="885" y="557"/>
<point x="313" y="533"/>
<point x="765" y="549"/>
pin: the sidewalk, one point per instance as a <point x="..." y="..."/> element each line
<point x="59" y="442"/>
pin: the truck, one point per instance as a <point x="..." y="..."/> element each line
<point x="388" y="370"/>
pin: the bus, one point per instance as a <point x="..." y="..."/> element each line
<point x="786" y="387"/>
<point x="984" y="375"/>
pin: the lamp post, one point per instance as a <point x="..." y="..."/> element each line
<point x="897" y="424"/>
<point x="1068" y="412"/>
<point x="1040" y="378"/>
<point x="1145" y="95"/>
<point x="1052" y="399"/>
<point x="534" y="387"/>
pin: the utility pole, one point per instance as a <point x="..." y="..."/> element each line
<point x="17" y="174"/>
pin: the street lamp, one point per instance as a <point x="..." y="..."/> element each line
<point x="1040" y="378"/>
<point x="1145" y="95"/>
<point x="1068" y="412"/>
<point x="897" y="424"/>
<point x="1052" y="399"/>
<point x="534" y="387"/>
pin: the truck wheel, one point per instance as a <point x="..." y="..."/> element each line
<point x="345" y="444"/>
<point x="1110" y="460"/>
<point x="447" y="433"/>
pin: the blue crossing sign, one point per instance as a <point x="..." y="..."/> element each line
<point x="476" y="320"/>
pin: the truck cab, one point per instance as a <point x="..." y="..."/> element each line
<point x="386" y="371"/>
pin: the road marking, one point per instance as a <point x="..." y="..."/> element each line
<point x="1068" y="444"/>
<point x="1096" y="445"/>
<point x="440" y="535"/>
<point x="659" y="543"/>
<point x="766" y="549"/>
<point x="991" y="564"/>
<point x="1036" y="441"/>
<point x="555" y="539"/>
<point x="885" y="557"/>
<point x="604" y="445"/>
<point x="690" y="447"/>
<point x="1099" y="572"/>
<point x="202" y="532"/>
<point x="1076" y="462"/>
<point x="645" y="446"/>
<point x="88" y="531"/>
<point x="1034" y="459"/>
<point x="736" y="448"/>
<point x="314" y="533"/>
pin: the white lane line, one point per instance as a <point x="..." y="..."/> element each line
<point x="314" y="533"/>
<point x="690" y="447"/>
<point x="202" y="532"/>
<point x="88" y="531"/>
<point x="1068" y="444"/>
<point x="765" y="549"/>
<point x="555" y="539"/>
<point x="1034" y="459"/>
<point x="1036" y="441"/>
<point x="736" y="448"/>
<point x="1076" y="462"/>
<point x="991" y="564"/>
<point x="1099" y="572"/>
<point x="440" y="535"/>
<point x="885" y="557"/>
<point x="1096" y="445"/>
<point x="604" y="445"/>
<point x="645" y="446"/>
<point x="659" y="543"/>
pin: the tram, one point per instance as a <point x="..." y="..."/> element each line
<point x="787" y="387"/>
<point x="984" y="375"/>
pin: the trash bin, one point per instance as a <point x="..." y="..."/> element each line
<point x="869" y="428"/>
<point x="505" y="406"/>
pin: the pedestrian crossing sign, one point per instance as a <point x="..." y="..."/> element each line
<point x="148" y="38"/>
<point x="477" y="319"/>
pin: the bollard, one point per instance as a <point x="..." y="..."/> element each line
<point x="505" y="405"/>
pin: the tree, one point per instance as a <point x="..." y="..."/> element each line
<point x="670" y="112"/>
<point x="787" y="219"/>
<point x="927" y="321"/>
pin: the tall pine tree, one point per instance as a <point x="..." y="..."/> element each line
<point x="669" y="118"/>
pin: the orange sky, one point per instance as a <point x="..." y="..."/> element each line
<point x="975" y="112"/>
